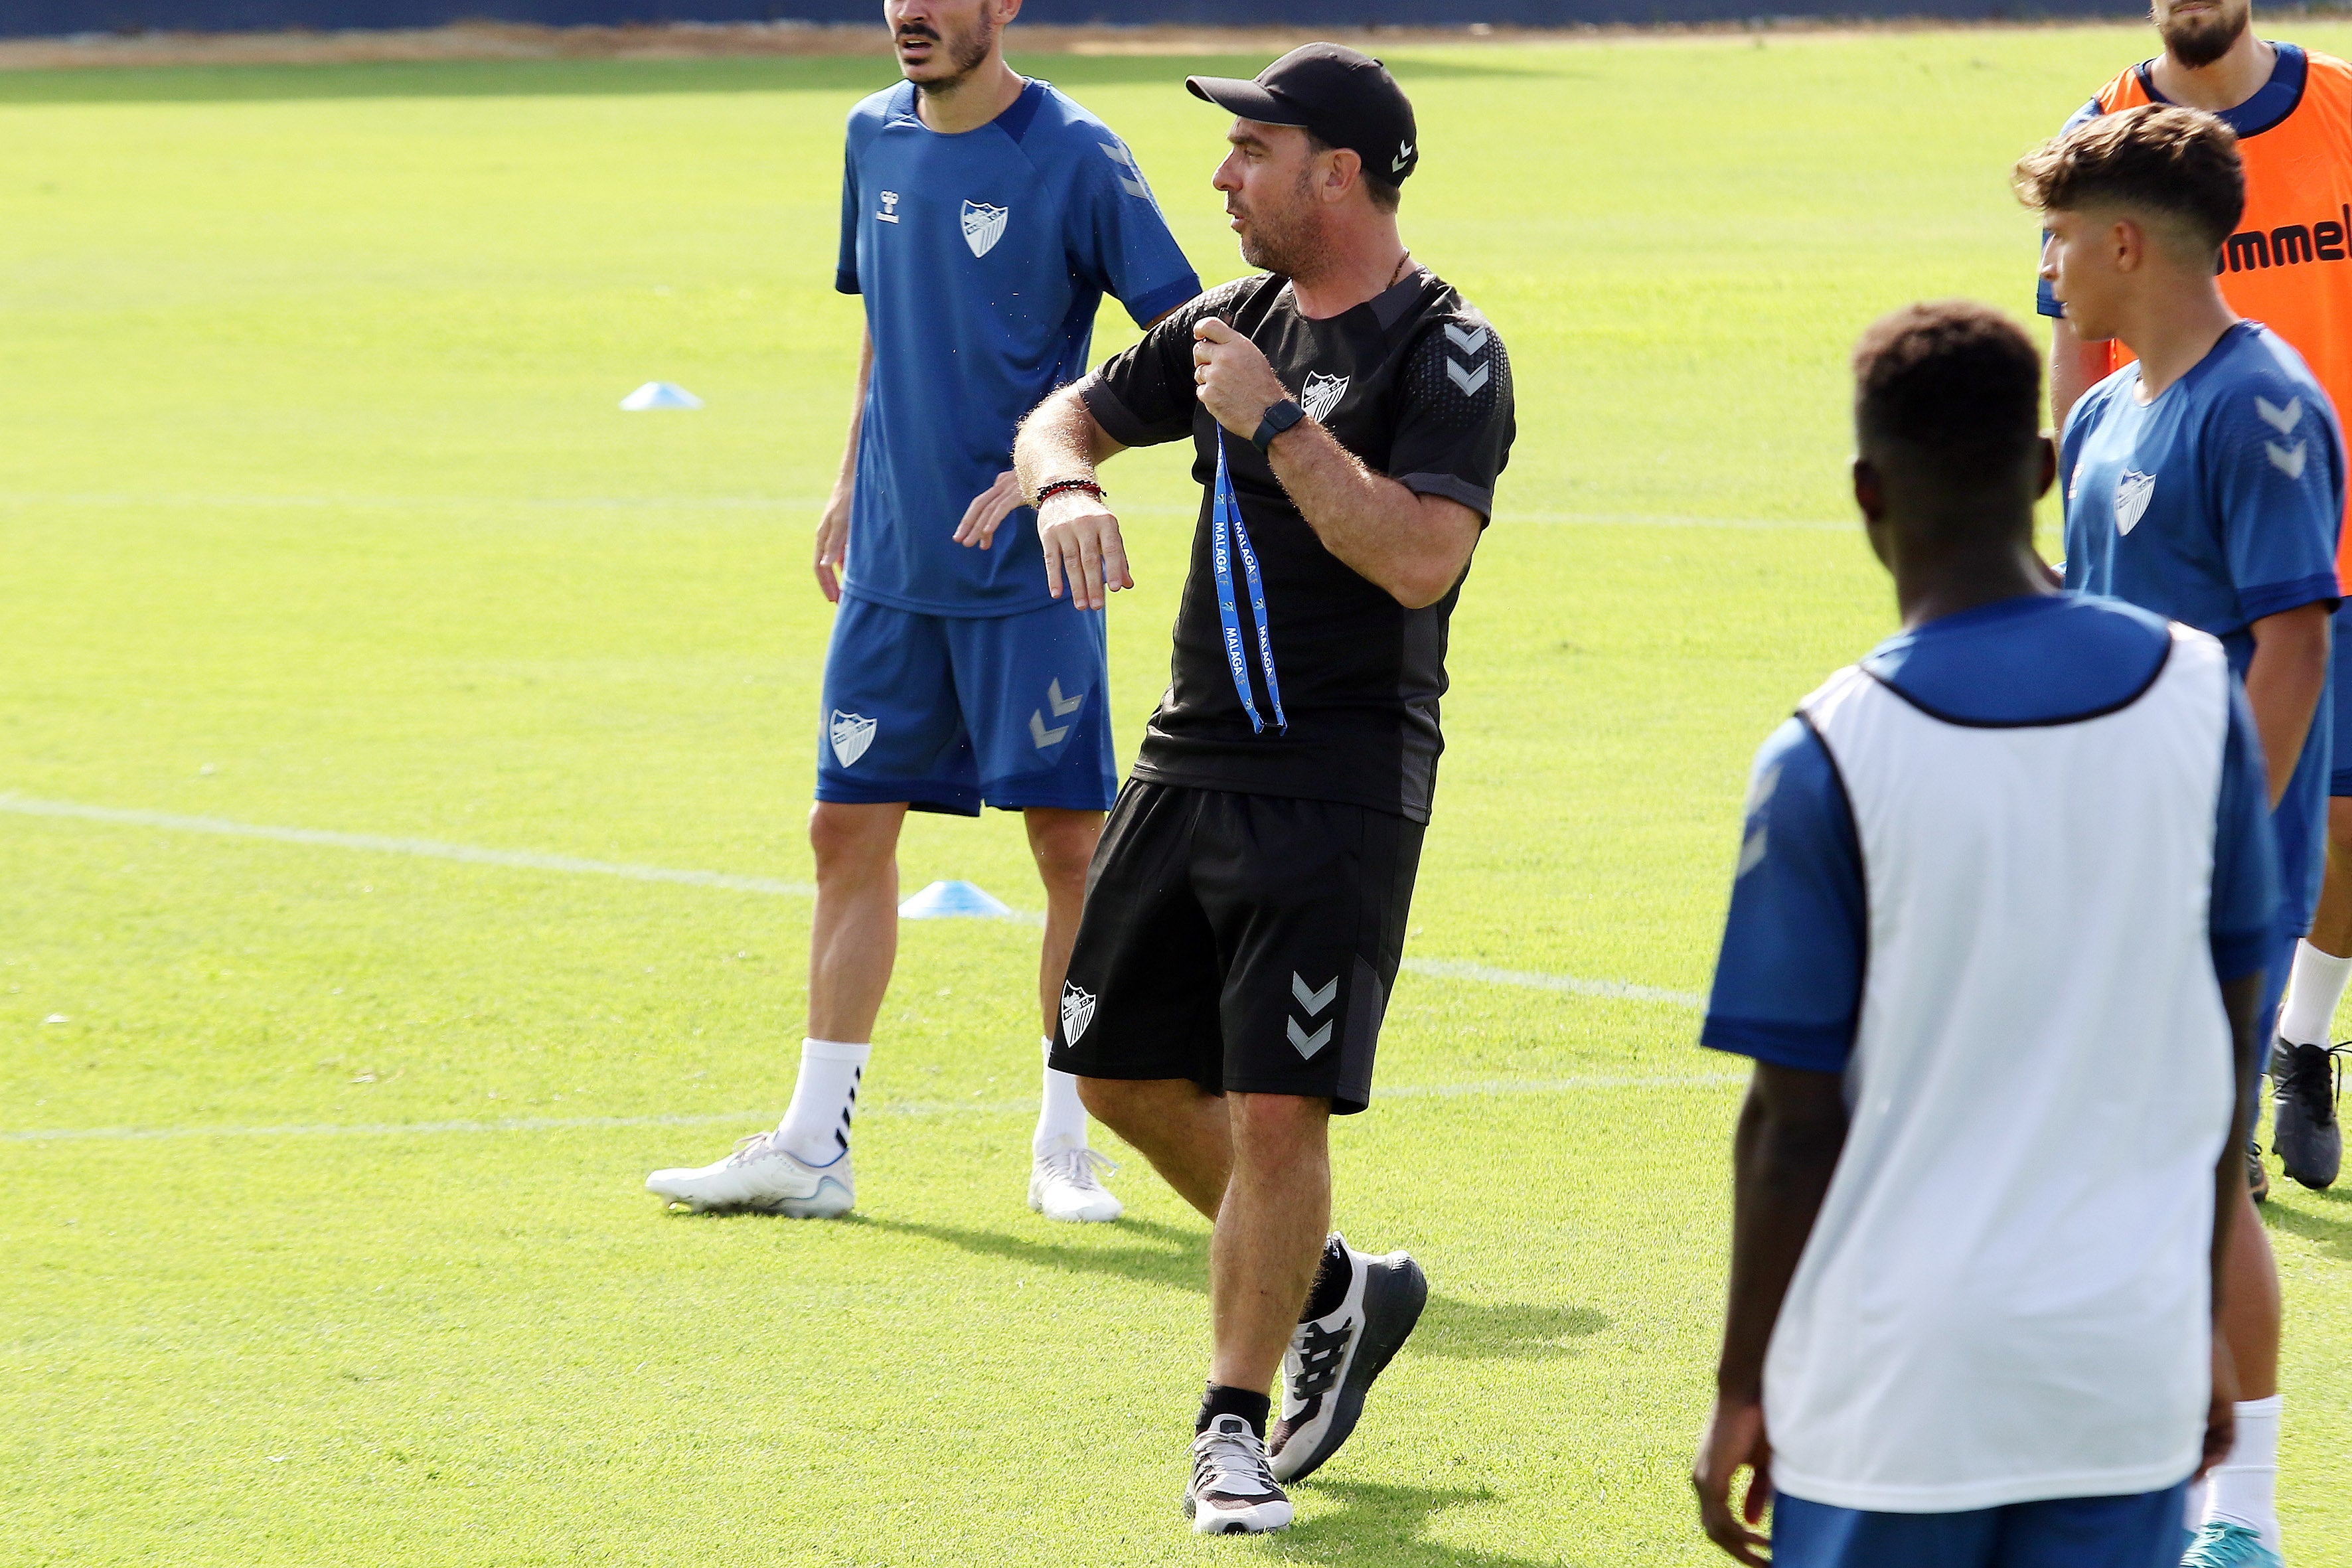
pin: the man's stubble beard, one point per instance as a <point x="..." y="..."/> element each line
<point x="1292" y="244"/>
<point x="2199" y="44"/>
<point x="965" y="56"/>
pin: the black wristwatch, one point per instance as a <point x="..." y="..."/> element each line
<point x="1281" y="416"/>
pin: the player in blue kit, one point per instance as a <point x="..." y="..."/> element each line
<point x="2205" y="481"/>
<point x="984" y="218"/>
<point x="2013" y="863"/>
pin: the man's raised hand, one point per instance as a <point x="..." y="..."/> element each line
<point x="1235" y="382"/>
<point x="1083" y="549"/>
<point x="990" y="508"/>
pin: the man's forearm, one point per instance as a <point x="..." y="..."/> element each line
<point x="847" y="477"/>
<point x="1791" y="1130"/>
<point x="1059" y="440"/>
<point x="1380" y="529"/>
<point x="2283" y="682"/>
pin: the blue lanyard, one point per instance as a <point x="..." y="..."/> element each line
<point x="1228" y="533"/>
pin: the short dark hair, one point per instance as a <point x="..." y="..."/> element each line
<point x="1955" y="385"/>
<point x="2157" y="158"/>
<point x="1385" y="194"/>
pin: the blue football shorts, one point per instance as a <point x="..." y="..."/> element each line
<point x="948" y="712"/>
<point x="2146" y="1530"/>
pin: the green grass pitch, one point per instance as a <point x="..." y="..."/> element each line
<point x="316" y="512"/>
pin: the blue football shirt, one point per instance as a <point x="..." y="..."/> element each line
<point x="1796" y="942"/>
<point x="983" y="258"/>
<point x="2217" y="504"/>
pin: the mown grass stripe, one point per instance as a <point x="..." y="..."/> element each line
<point x="533" y="860"/>
<point x="916" y="1108"/>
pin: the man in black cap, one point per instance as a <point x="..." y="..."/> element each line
<point x="1246" y="909"/>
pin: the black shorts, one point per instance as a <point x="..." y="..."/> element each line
<point x="1244" y="941"/>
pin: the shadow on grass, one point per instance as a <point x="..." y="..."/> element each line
<point x="1178" y="1259"/>
<point x="2330" y="1227"/>
<point x="840" y="74"/>
<point x="1386" y="1524"/>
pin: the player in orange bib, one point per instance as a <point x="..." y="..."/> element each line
<point x="2289" y="266"/>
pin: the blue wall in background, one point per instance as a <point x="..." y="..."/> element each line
<point x="53" y="17"/>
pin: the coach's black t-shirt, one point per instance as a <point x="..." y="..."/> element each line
<point x="1416" y="384"/>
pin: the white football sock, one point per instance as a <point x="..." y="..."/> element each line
<point x="2240" y="1489"/>
<point x="815" y="1130"/>
<point x="2316" y="984"/>
<point x="1061" y="1119"/>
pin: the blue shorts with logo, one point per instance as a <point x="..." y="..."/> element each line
<point x="948" y="712"/>
<point x="2146" y="1530"/>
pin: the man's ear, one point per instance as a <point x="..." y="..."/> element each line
<point x="1345" y="173"/>
<point x="1869" y="491"/>
<point x="2047" y="457"/>
<point x="2127" y="245"/>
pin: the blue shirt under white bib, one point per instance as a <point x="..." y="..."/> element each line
<point x="983" y="258"/>
<point x="2217" y="504"/>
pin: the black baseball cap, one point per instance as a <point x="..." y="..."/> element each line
<point x="1347" y="98"/>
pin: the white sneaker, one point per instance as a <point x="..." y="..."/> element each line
<point x="1332" y="1361"/>
<point x="1231" y="1492"/>
<point x="765" y="1177"/>
<point x="1067" y="1184"/>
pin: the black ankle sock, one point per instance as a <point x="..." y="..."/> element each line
<point x="1331" y="1279"/>
<point x="1220" y="1400"/>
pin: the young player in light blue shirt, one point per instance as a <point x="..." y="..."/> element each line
<point x="2205" y="481"/>
<point x="984" y="218"/>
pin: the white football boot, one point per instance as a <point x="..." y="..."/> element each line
<point x="1231" y="1492"/>
<point x="765" y="1177"/>
<point x="1332" y="1360"/>
<point x="1067" y="1184"/>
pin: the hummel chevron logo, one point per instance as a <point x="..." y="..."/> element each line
<point x="1308" y="1044"/>
<point x="2289" y="463"/>
<point x="1313" y="1001"/>
<point x="2282" y="420"/>
<point x="1404" y="156"/>
<point x="1469" y="381"/>
<point x="1042" y="735"/>
<point x="1131" y="178"/>
<point x="1063" y="708"/>
<point x="1468" y="343"/>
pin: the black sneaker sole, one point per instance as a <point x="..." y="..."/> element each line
<point x="1393" y="1298"/>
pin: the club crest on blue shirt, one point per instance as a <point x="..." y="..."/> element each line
<point x="851" y="734"/>
<point x="983" y="226"/>
<point x="1322" y="394"/>
<point x="2133" y="492"/>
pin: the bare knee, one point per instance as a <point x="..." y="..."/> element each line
<point x="1275" y="1128"/>
<point x="1063" y="844"/>
<point x="2339" y="827"/>
<point x="1132" y="1107"/>
<point x="850" y="839"/>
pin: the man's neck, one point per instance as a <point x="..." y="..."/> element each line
<point x="970" y="100"/>
<point x="2173" y="326"/>
<point x="1363" y="263"/>
<point x="2227" y="82"/>
<point x="1928" y="590"/>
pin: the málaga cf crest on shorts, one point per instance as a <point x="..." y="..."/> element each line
<point x="983" y="226"/>
<point x="852" y="733"/>
<point x="1078" y="1012"/>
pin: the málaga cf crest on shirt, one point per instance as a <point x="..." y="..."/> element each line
<point x="983" y="226"/>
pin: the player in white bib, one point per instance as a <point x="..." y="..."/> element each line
<point x="1996" y="943"/>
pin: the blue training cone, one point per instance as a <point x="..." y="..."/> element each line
<point x="947" y="901"/>
<point x="660" y="394"/>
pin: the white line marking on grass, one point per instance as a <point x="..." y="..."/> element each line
<point x="532" y="861"/>
<point x="426" y="848"/>
<point x="1492" y="1088"/>
<point x="1621" y="990"/>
